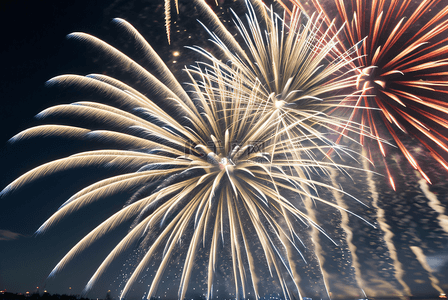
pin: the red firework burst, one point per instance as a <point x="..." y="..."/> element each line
<point x="403" y="73"/>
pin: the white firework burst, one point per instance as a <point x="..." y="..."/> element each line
<point x="200" y="162"/>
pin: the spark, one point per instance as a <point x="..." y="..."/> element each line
<point x="387" y="232"/>
<point x="422" y="259"/>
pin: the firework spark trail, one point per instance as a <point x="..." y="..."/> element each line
<point x="421" y="257"/>
<point x="403" y="77"/>
<point x="315" y="238"/>
<point x="435" y="204"/>
<point x="410" y="234"/>
<point x="349" y="235"/>
<point x="385" y="228"/>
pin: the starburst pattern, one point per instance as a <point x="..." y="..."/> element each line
<point x="194" y="156"/>
<point x="299" y="82"/>
<point x="401" y="70"/>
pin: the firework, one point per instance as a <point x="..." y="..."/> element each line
<point x="168" y="17"/>
<point x="202" y="177"/>
<point x="401" y="70"/>
<point x="299" y="81"/>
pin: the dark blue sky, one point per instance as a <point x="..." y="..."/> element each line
<point x="34" y="49"/>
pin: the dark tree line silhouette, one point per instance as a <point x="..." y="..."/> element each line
<point x="44" y="296"/>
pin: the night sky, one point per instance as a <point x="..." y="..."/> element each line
<point x="35" y="49"/>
